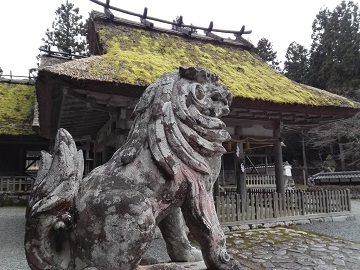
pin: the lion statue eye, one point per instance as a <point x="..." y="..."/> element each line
<point x="198" y="91"/>
<point x="216" y="96"/>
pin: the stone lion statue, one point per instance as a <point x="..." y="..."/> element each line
<point x="169" y="162"/>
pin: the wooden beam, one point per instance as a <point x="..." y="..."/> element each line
<point x="93" y="102"/>
<point x="58" y="96"/>
<point x="279" y="178"/>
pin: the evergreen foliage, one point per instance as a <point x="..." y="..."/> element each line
<point x="68" y="31"/>
<point x="335" y="50"/>
<point x="333" y="63"/>
<point x="296" y="65"/>
<point x="335" y="66"/>
<point x="267" y="53"/>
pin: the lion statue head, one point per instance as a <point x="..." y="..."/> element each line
<point x="178" y="117"/>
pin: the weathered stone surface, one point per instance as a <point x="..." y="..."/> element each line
<point x="301" y="222"/>
<point x="339" y="218"/>
<point x="256" y="226"/>
<point x="225" y="229"/>
<point x="280" y="223"/>
<point x="234" y="228"/>
<point x="170" y="160"/>
<point x="289" y="223"/>
<point x="316" y="220"/>
<point x="244" y="227"/>
<point x="328" y="219"/>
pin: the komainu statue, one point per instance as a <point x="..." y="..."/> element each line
<point x="169" y="162"/>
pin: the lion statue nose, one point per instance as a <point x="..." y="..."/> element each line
<point x="225" y="110"/>
<point x="220" y="110"/>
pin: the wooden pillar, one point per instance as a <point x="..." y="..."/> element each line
<point x="216" y="188"/>
<point x="89" y="162"/>
<point x="342" y="159"/>
<point x="121" y="128"/>
<point x="279" y="177"/>
<point x="266" y="162"/>
<point x="107" y="153"/>
<point x="22" y="160"/>
<point x="240" y="170"/>
<point x="98" y="159"/>
<point x="306" y="173"/>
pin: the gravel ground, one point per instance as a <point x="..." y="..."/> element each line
<point x="347" y="230"/>
<point x="12" y="230"/>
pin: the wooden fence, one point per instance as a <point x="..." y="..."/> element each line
<point x="16" y="184"/>
<point x="232" y="209"/>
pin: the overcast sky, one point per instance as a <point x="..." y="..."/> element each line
<point x="23" y="22"/>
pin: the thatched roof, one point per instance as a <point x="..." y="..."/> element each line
<point x="136" y="55"/>
<point x="16" y="108"/>
<point x="127" y="57"/>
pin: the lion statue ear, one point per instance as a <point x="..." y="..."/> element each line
<point x="198" y="74"/>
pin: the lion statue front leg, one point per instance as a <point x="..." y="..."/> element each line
<point x="177" y="243"/>
<point x="201" y="218"/>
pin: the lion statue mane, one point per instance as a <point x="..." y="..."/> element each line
<point x="165" y="170"/>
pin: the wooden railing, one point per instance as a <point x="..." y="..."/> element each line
<point x="254" y="182"/>
<point x="260" y="181"/>
<point x="15" y="184"/>
<point x="232" y="209"/>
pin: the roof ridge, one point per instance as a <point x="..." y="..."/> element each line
<point x="242" y="42"/>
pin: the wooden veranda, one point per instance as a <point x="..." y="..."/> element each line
<point x="16" y="184"/>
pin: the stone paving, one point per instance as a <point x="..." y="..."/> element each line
<point x="288" y="248"/>
<point x="273" y="248"/>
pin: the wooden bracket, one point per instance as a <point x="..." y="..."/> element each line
<point x="107" y="11"/>
<point x="212" y="35"/>
<point x="144" y="21"/>
<point x="179" y="27"/>
<point x="241" y="32"/>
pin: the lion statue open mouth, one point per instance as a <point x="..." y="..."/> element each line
<point x="170" y="161"/>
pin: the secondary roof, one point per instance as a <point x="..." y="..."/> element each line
<point x="16" y="108"/>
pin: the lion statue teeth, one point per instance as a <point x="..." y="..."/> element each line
<point x="164" y="173"/>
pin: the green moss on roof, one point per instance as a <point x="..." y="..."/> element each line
<point x="138" y="56"/>
<point x="16" y="109"/>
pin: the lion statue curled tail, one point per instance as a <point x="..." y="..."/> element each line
<point x="169" y="162"/>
